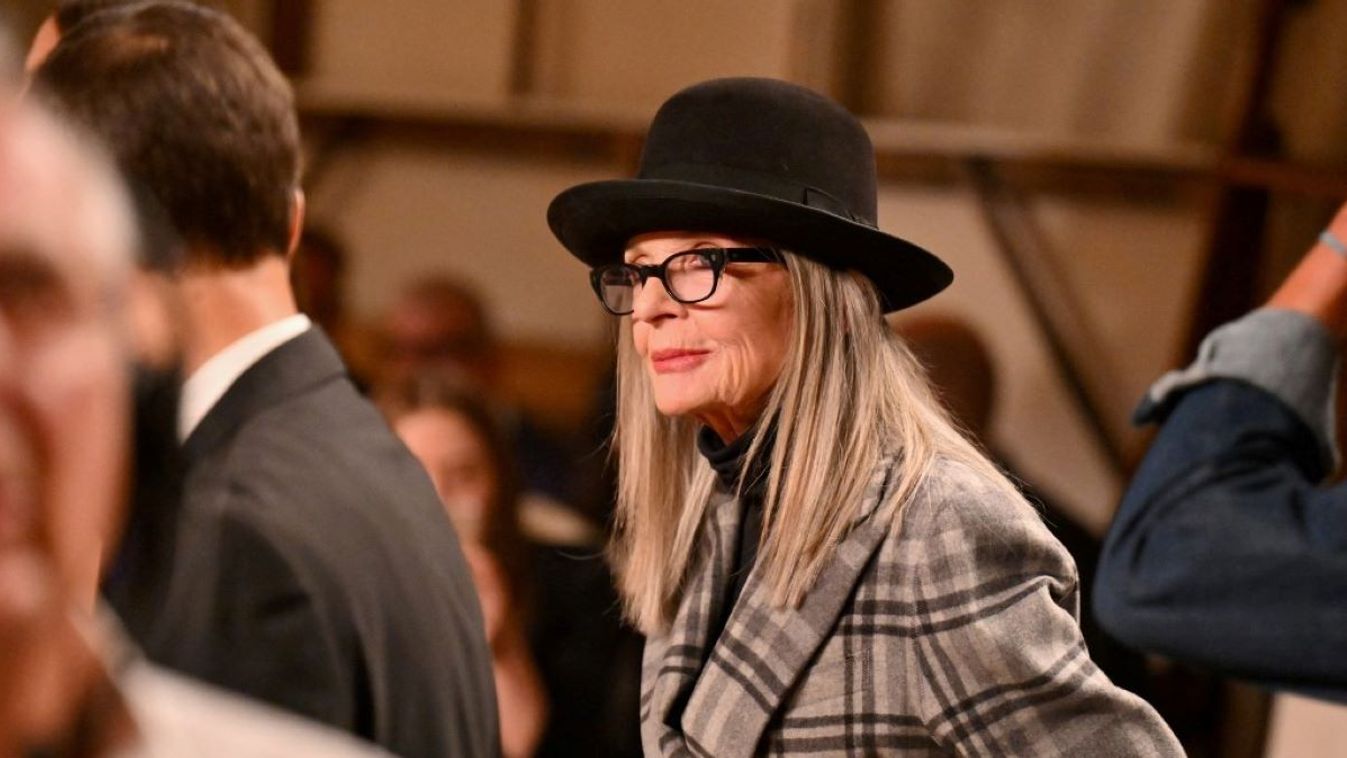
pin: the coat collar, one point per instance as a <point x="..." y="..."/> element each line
<point x="294" y="366"/>
<point x="716" y="697"/>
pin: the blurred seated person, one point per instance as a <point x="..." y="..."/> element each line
<point x="550" y="608"/>
<point x="438" y="324"/>
<point x="71" y="305"/>
<point x="318" y="276"/>
<point x="1229" y="549"/>
<point x="961" y="369"/>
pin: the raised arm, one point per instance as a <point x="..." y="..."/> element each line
<point x="1226" y="550"/>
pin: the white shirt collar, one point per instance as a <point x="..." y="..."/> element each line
<point x="204" y="388"/>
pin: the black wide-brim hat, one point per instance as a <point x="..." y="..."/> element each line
<point x="757" y="158"/>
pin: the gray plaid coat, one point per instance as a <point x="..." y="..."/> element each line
<point x="949" y="630"/>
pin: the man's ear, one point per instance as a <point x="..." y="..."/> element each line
<point x="154" y="320"/>
<point x="44" y="42"/>
<point x="297" y="208"/>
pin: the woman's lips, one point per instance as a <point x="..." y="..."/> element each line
<point x="673" y="361"/>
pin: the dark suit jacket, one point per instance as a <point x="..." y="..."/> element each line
<point x="313" y="568"/>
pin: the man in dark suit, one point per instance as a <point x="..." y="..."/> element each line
<point x="310" y="564"/>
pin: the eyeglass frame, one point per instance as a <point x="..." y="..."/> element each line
<point x="720" y="257"/>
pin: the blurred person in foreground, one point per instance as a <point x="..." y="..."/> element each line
<point x="822" y="564"/>
<point x="1229" y="549"/>
<point x="439" y="324"/>
<point x="312" y="566"/>
<point x="69" y="304"/>
<point x="563" y="660"/>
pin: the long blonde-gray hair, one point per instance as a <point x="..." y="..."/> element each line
<point x="849" y="393"/>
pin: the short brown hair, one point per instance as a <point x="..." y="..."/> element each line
<point x="197" y="116"/>
<point x="69" y="13"/>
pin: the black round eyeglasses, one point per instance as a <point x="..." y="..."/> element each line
<point x="689" y="277"/>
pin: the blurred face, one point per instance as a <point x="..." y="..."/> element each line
<point x="716" y="360"/>
<point x="444" y="335"/>
<point x="459" y="463"/>
<point x="63" y="385"/>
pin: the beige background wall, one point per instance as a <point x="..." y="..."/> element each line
<point x="427" y="51"/>
<point x="1118" y="70"/>
<point x="410" y="209"/>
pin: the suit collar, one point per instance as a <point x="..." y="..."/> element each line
<point x="720" y="701"/>
<point x="208" y="383"/>
<point x="304" y="361"/>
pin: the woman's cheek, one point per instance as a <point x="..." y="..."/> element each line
<point x="640" y="338"/>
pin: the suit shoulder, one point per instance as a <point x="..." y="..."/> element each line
<point x="328" y="446"/>
<point x="330" y="412"/>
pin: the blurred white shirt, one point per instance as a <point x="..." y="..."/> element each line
<point x="181" y="718"/>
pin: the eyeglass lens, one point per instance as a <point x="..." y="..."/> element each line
<point x="689" y="277"/>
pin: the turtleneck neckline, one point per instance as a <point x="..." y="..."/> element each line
<point x="727" y="459"/>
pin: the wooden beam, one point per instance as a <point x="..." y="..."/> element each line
<point x="906" y="151"/>
<point x="1238" y="212"/>
<point x="856" y="49"/>
<point x="291" y="26"/>
<point x="1087" y="369"/>
<point x="525" y="47"/>
<point x="1284" y="177"/>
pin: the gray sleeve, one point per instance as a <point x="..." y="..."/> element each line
<point x="1286" y="353"/>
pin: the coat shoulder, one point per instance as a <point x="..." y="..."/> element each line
<point x="956" y="494"/>
<point x="964" y="517"/>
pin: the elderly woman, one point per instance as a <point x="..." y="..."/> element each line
<point x="821" y="562"/>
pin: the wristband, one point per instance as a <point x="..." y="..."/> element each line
<point x="1331" y="240"/>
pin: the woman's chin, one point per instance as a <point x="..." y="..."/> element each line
<point x="676" y="407"/>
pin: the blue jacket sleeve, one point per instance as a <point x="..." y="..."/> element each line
<point x="1225" y="551"/>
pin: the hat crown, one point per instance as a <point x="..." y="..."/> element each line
<point x="769" y="137"/>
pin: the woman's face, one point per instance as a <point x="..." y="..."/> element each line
<point x="715" y="360"/>
<point x="459" y="463"/>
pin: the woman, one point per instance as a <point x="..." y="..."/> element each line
<point x="821" y="562"/>
<point x="452" y="435"/>
<point x="559" y="653"/>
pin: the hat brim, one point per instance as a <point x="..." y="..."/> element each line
<point x="594" y="221"/>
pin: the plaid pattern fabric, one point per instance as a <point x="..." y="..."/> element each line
<point x="951" y="629"/>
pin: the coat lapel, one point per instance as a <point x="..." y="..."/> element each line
<point x="755" y="663"/>
<point x="673" y="661"/>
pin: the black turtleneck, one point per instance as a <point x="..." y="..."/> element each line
<point x="728" y="460"/>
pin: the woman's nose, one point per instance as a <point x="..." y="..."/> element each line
<point x="652" y="302"/>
